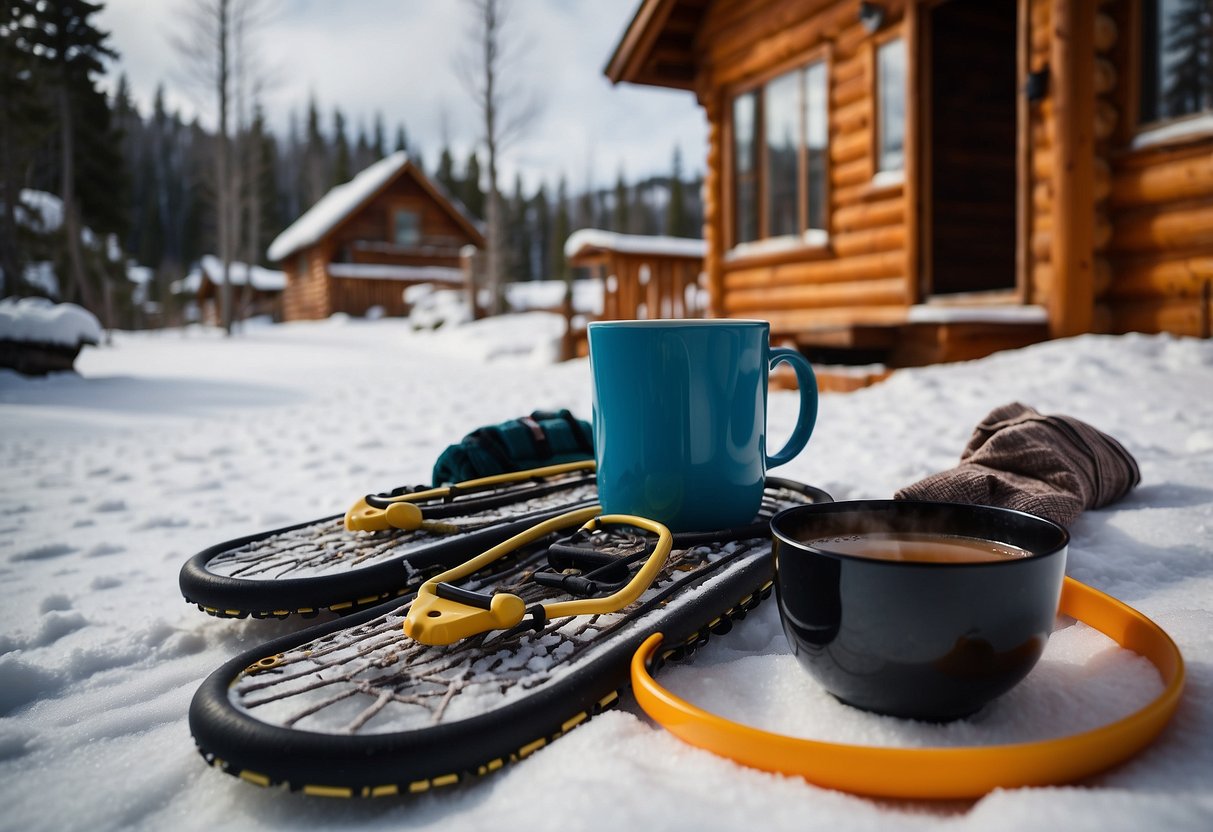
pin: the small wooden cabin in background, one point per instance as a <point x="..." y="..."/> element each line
<point x="927" y="180"/>
<point x="255" y="290"/>
<point x="641" y="277"/>
<point x="364" y="242"/>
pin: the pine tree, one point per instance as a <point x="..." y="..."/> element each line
<point x="471" y="193"/>
<point x="402" y="142"/>
<point x="290" y="160"/>
<point x="127" y="122"/>
<point x="622" y="206"/>
<point x="378" y="147"/>
<point x="341" y="151"/>
<point x="586" y="216"/>
<point x="642" y="216"/>
<point x="261" y="215"/>
<point x="675" y="214"/>
<point x="518" y="235"/>
<point x="561" y="227"/>
<point x="150" y="208"/>
<point x="315" y="159"/>
<point x="74" y="50"/>
<point x="446" y="174"/>
<point x="542" y="225"/>
<point x="25" y="122"/>
<point x="362" y="150"/>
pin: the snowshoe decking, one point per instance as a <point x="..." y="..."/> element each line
<point x="355" y="708"/>
<point x="358" y="559"/>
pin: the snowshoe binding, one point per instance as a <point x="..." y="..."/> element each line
<point x="383" y="547"/>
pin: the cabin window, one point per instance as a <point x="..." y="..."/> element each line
<point x="301" y="267"/>
<point x="817" y="138"/>
<point x="780" y="135"/>
<point x="408" y="228"/>
<point x="1176" y="59"/>
<point x="745" y="167"/>
<point x="891" y="103"/>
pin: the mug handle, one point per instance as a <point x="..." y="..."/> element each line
<point x="808" y="403"/>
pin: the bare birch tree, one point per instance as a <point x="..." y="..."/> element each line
<point x="217" y="50"/>
<point x="505" y="111"/>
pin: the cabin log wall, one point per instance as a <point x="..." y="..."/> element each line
<point x="1159" y="206"/>
<point x="1161" y="248"/>
<point x="861" y="275"/>
<point x="307" y="295"/>
<point x="1109" y="237"/>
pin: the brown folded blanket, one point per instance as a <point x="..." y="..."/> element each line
<point x="1051" y="466"/>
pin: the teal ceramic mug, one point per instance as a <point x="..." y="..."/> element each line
<point x="680" y="411"/>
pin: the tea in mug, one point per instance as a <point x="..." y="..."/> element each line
<point x="920" y="547"/>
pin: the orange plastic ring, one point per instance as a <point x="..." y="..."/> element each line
<point x="945" y="773"/>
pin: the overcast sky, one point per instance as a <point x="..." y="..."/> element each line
<point x="399" y="57"/>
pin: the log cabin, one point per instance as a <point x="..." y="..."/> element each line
<point x="255" y="290"/>
<point x="367" y="240"/>
<point x="928" y="180"/>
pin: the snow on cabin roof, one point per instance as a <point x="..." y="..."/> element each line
<point x="375" y="271"/>
<point x="262" y="279"/>
<point x="343" y="200"/>
<point x="588" y="239"/>
<point x="335" y="206"/>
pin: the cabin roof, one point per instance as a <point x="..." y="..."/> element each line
<point x="658" y="47"/>
<point x="589" y="241"/>
<point x="345" y="200"/>
<point x="210" y="268"/>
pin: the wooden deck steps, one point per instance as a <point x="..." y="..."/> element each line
<point x="913" y="344"/>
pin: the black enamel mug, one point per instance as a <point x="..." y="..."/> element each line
<point x="922" y="640"/>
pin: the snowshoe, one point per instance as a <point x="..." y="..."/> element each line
<point x="489" y="662"/>
<point x="383" y="547"/>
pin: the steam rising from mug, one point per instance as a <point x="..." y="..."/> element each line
<point x="680" y="409"/>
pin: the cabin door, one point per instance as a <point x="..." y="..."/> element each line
<point x="969" y="150"/>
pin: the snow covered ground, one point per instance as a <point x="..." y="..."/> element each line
<point x="168" y="442"/>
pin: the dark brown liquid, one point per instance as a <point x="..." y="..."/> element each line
<point x="920" y="547"/>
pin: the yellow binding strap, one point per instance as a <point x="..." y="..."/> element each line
<point x="437" y="619"/>
<point x="404" y="513"/>
<point x="940" y="773"/>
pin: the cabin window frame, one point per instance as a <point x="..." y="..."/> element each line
<point x="805" y="238"/>
<point x="1165" y="130"/>
<point x="397" y="211"/>
<point x="888" y="176"/>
